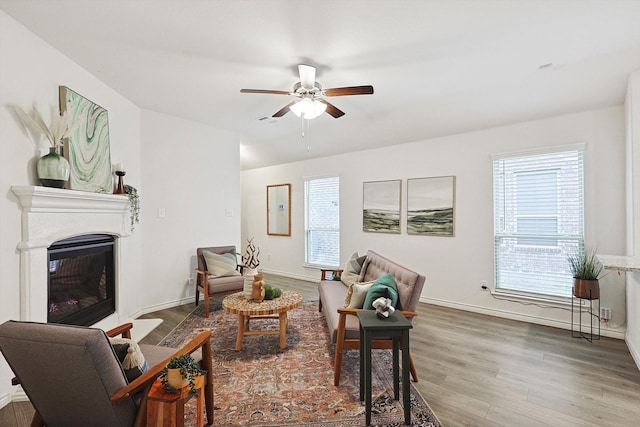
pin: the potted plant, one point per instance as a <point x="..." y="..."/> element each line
<point x="134" y="204"/>
<point x="586" y="268"/>
<point x="180" y="372"/>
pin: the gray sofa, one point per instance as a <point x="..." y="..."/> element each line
<point x="343" y="323"/>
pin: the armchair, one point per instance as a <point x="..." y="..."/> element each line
<point x="210" y="284"/>
<point x="73" y="378"/>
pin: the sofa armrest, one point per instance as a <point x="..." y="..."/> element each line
<point x="337" y="272"/>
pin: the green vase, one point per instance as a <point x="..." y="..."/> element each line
<point x="53" y="169"/>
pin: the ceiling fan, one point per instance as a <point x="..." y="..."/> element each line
<point x="311" y="102"/>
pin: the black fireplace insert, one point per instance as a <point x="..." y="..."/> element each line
<point x="81" y="284"/>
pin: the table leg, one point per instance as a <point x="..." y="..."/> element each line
<point x="396" y="369"/>
<point x="367" y="376"/>
<point x="283" y="330"/>
<point x="405" y="377"/>
<point x="241" y="326"/>
<point x="361" y="364"/>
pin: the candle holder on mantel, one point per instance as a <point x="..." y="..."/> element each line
<point x="120" y="186"/>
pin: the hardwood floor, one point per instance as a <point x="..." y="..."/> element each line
<point x="478" y="370"/>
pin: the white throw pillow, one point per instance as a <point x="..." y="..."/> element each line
<point x="356" y="294"/>
<point x="352" y="269"/>
<point x="220" y="265"/>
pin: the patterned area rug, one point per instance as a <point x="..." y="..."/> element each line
<point x="263" y="385"/>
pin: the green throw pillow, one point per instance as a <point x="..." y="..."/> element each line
<point x="384" y="286"/>
<point x="220" y="265"/>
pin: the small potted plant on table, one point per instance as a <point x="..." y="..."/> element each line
<point x="180" y="372"/>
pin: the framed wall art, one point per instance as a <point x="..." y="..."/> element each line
<point x="381" y="206"/>
<point x="87" y="147"/>
<point x="430" y="205"/>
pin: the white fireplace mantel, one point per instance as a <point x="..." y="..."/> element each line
<point x="52" y="214"/>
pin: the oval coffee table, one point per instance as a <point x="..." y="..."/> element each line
<point x="267" y="309"/>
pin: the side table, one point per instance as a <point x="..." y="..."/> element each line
<point x="167" y="409"/>
<point x="397" y="327"/>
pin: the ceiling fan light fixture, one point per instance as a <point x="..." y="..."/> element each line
<point x="308" y="108"/>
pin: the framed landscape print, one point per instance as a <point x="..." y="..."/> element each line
<point x="87" y="147"/>
<point x="430" y="205"/>
<point x="381" y="206"/>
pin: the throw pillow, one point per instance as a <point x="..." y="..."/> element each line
<point x="356" y="294"/>
<point x="130" y="357"/>
<point x="384" y="286"/>
<point x="220" y="265"/>
<point x="352" y="269"/>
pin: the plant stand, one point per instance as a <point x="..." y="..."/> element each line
<point x="577" y="332"/>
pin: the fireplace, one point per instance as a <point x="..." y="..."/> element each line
<point x="81" y="280"/>
<point x="51" y="216"/>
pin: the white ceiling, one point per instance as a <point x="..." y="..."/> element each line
<point x="438" y="67"/>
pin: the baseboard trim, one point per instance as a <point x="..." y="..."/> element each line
<point x="516" y="316"/>
<point x="634" y="351"/>
<point x="165" y="305"/>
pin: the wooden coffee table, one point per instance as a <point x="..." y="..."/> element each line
<point x="268" y="309"/>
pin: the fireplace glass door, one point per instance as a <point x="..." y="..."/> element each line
<point x="81" y="284"/>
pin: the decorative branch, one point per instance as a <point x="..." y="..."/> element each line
<point x="251" y="255"/>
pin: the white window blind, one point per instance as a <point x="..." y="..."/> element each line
<point x="538" y="221"/>
<point x="322" y="222"/>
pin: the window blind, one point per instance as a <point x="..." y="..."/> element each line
<point x="322" y="222"/>
<point x="538" y="221"/>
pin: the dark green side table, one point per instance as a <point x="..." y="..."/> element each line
<point x="396" y="326"/>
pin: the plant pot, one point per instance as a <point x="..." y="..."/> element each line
<point x="53" y="169"/>
<point x="586" y="289"/>
<point x="248" y="274"/>
<point x="175" y="380"/>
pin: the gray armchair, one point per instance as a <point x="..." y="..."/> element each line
<point x="73" y="378"/>
<point x="208" y="283"/>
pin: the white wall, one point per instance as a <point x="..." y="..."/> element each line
<point x="192" y="171"/>
<point x="454" y="266"/>
<point x="632" y="105"/>
<point x="31" y="70"/>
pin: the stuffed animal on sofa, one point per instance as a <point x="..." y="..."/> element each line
<point x="383" y="307"/>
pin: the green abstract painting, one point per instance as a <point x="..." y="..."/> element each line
<point x="87" y="148"/>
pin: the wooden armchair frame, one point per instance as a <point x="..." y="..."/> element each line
<point x="202" y="275"/>
<point x="143" y="383"/>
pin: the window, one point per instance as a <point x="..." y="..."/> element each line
<point x="322" y="222"/>
<point x="538" y="221"/>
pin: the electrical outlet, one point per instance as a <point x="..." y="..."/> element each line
<point x="483" y="285"/>
<point x="605" y="314"/>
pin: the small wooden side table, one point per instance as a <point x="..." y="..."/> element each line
<point x="397" y="327"/>
<point x="167" y="409"/>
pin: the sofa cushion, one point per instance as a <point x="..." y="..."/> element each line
<point x="384" y="286"/>
<point x="220" y="265"/>
<point x="352" y="269"/>
<point x="356" y="294"/>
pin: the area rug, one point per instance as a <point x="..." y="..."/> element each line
<point x="263" y="385"/>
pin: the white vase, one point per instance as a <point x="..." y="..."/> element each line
<point x="248" y="274"/>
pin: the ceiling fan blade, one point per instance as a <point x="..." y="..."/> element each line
<point x="350" y="90"/>
<point x="284" y="110"/>
<point x="307" y="76"/>
<point x="273" y="92"/>
<point x="332" y="110"/>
